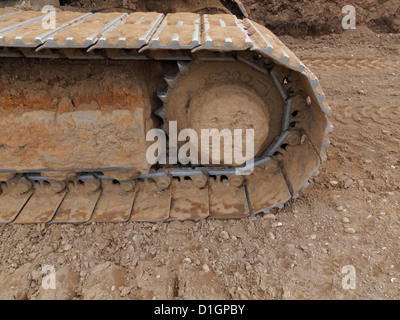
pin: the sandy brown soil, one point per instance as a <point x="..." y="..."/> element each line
<point x="348" y="216"/>
<point x="291" y="17"/>
<point x="284" y="17"/>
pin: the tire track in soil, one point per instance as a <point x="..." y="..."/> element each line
<point x="353" y="63"/>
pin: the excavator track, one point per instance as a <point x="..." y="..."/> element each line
<point x="46" y="194"/>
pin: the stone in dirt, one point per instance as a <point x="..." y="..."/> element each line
<point x="103" y="283"/>
<point x="39" y="4"/>
<point x="16" y="285"/>
<point x="66" y="282"/>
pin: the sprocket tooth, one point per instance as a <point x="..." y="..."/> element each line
<point x="329" y="127"/>
<point x="325" y="144"/>
<point x="162" y="95"/>
<point x="160" y="112"/>
<point x="164" y="127"/>
<point x="171" y="79"/>
<point x="183" y="66"/>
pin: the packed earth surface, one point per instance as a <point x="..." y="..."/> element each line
<point x="346" y="223"/>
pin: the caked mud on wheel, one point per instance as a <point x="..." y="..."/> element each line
<point x="73" y="140"/>
<point x="222" y="95"/>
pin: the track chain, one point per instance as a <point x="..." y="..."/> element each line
<point x="94" y="197"/>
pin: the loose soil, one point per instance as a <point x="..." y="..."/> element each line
<point x="348" y="216"/>
<point x="291" y="17"/>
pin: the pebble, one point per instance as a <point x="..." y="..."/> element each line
<point x="35" y="235"/>
<point x="277" y="224"/>
<point x="333" y="183"/>
<point x="350" y="230"/>
<point x="313" y="237"/>
<point x="47" y="250"/>
<point x="346" y="220"/>
<point x="339" y="208"/>
<point x="206" y="268"/>
<point x="271" y="236"/>
<point x="125" y="291"/>
<point x="36" y="275"/>
<point x="224" y="235"/>
<point x="348" y="183"/>
<point x="286" y="294"/>
<point x="67" y="247"/>
<point x="269" y="216"/>
<point x="187" y="260"/>
<point x="238" y="231"/>
<point x="33" y="255"/>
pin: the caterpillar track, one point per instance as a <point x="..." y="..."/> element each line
<point x="73" y="148"/>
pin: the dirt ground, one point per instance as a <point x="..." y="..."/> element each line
<point x="283" y="17"/>
<point x="348" y="216"/>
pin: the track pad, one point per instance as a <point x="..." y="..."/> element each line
<point x="11" y="201"/>
<point x="43" y="204"/>
<point x="227" y="201"/>
<point x="188" y="201"/>
<point x="115" y="205"/>
<point x="79" y="202"/>
<point x="152" y="203"/>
